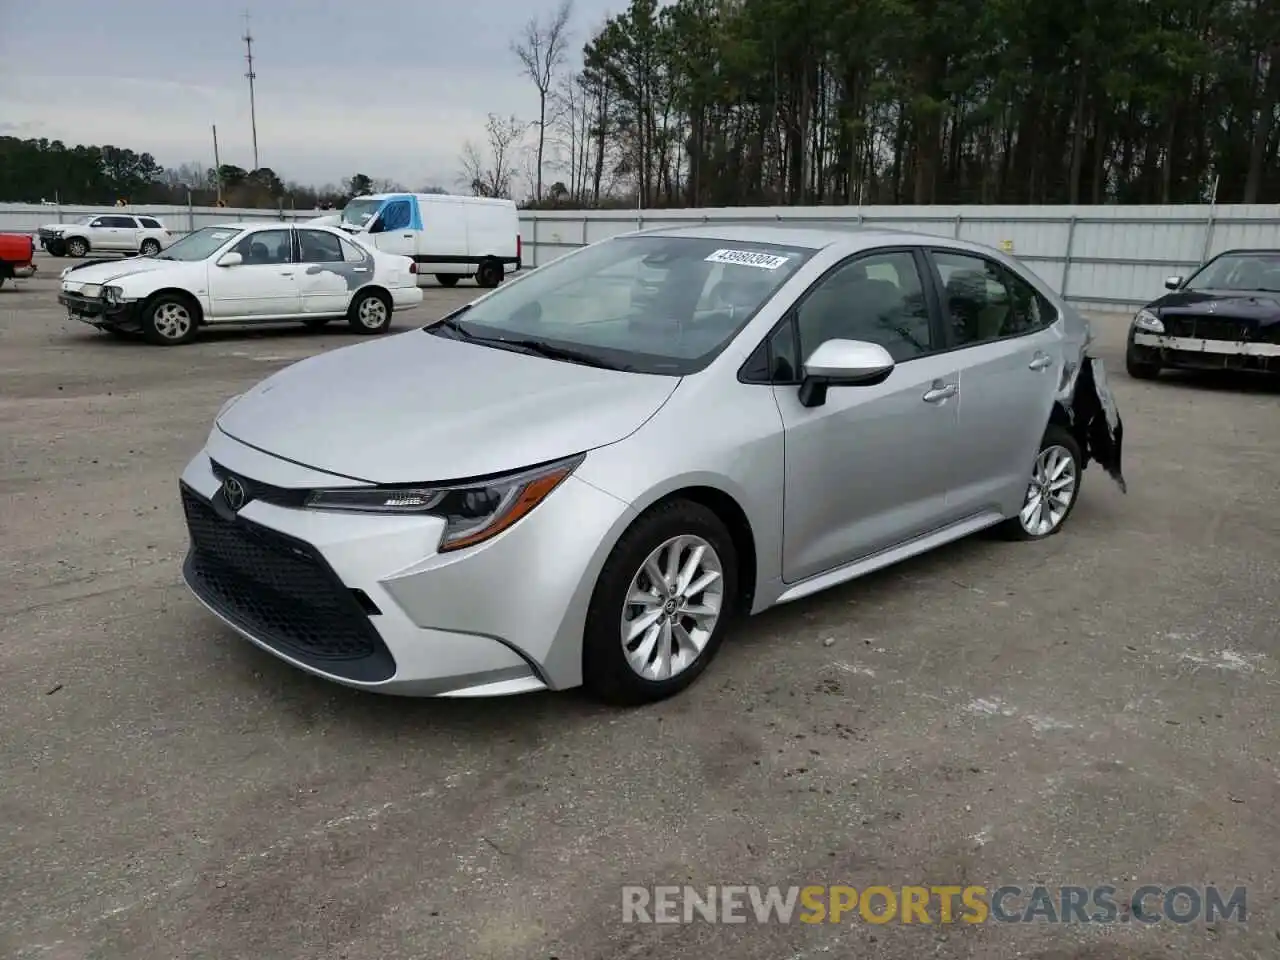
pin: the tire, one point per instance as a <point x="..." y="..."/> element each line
<point x="170" y="319"/>
<point x="447" y="279"/>
<point x="149" y="248"/>
<point x="56" y="248"/>
<point x="3" y="278"/>
<point x="317" y="323"/>
<point x="370" y="313"/>
<point x="77" y="247"/>
<point x="490" y="274"/>
<point x="1138" y="363"/>
<point x="607" y="671"/>
<point x="1056" y="443"/>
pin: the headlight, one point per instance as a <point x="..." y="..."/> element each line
<point x="1146" y="320"/>
<point x="113" y="294"/>
<point x="91" y="290"/>
<point x="472" y="512"/>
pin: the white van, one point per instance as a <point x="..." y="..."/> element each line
<point x="451" y="237"/>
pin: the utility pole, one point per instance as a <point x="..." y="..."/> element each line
<point x="253" y="113"/>
<point x="217" y="164"/>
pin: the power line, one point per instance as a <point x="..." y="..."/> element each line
<point x="252" y="106"/>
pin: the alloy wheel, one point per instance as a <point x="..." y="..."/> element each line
<point x="672" y="607"/>
<point x="1054" y="480"/>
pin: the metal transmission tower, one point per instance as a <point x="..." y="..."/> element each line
<point x="253" y="111"/>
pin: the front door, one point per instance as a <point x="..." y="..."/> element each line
<point x="1010" y="346"/>
<point x="870" y="467"/>
<point x="395" y="229"/>
<point x="264" y="284"/>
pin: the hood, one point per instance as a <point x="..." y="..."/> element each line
<point x="106" y="271"/>
<point x="1234" y="304"/>
<point x="417" y="408"/>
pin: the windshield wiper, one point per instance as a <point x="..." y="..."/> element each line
<point x="543" y="349"/>
<point x="450" y="322"/>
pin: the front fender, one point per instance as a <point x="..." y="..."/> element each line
<point x="1095" y="418"/>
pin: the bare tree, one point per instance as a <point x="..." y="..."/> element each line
<point x="541" y="49"/>
<point x="490" y="175"/>
<point x="384" y="185"/>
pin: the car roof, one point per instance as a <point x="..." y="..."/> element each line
<point x="266" y="225"/>
<point x="850" y="236"/>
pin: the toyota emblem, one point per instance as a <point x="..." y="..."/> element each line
<point x="233" y="491"/>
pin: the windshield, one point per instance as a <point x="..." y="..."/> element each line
<point x="651" y="304"/>
<point x="358" y="213"/>
<point x="85" y="221"/>
<point x="199" y="244"/>
<point x="1251" y="272"/>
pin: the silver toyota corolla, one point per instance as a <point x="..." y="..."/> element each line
<point x="585" y="476"/>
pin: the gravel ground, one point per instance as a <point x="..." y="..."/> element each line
<point x="1099" y="709"/>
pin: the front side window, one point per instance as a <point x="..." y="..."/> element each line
<point x="319" y="247"/>
<point x="99" y="222"/>
<point x="877" y="298"/>
<point x="266" y="247"/>
<point x="653" y="304"/>
<point x="200" y="244"/>
<point x="123" y="223"/>
<point x="1242" y="272"/>
<point x="396" y="215"/>
<point x="359" y="212"/>
<point x="985" y="302"/>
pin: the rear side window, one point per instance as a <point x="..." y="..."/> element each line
<point x="150" y="224"/>
<point x="319" y="247"/>
<point x="351" y="253"/>
<point x="395" y="215"/>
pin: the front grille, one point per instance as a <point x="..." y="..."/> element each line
<point x="282" y="592"/>
<point x="1220" y="328"/>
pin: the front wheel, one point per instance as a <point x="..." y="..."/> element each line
<point x="169" y="320"/>
<point x="77" y="248"/>
<point x="1141" y="364"/>
<point x="370" y="312"/>
<point x="149" y="248"/>
<point x="661" y="605"/>
<point x="1053" y="489"/>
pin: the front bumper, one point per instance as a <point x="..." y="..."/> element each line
<point x="365" y="601"/>
<point x="100" y="313"/>
<point x="1207" y="354"/>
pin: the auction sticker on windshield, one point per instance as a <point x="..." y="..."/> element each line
<point x="748" y="258"/>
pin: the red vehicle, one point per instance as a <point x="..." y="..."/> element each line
<point x="16" y="251"/>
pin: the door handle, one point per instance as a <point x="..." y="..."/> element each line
<point x="360" y="269"/>
<point x="940" y="392"/>
<point x="287" y="274"/>
<point x="1040" y="361"/>
<point x="407" y="236"/>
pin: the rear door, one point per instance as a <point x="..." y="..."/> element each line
<point x="119" y="232"/>
<point x="870" y="467"/>
<point x="330" y="270"/>
<point x="1008" y="342"/>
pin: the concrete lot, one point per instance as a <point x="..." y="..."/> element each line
<point x="1099" y="709"/>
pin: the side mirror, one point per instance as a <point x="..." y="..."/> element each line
<point x="1172" y="283"/>
<point x="843" y="363"/>
<point x="231" y="259"/>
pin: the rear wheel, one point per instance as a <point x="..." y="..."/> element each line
<point x="170" y="319"/>
<point x="447" y="279"/>
<point x="661" y="605"/>
<point x="370" y="312"/>
<point x="76" y="247"/>
<point x="1052" y="491"/>
<point x="149" y="248"/>
<point x="490" y="274"/>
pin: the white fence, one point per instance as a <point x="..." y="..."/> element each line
<point x="1099" y="257"/>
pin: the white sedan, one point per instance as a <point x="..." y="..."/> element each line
<point x="239" y="274"/>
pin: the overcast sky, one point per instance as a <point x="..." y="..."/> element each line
<point x="389" y="88"/>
